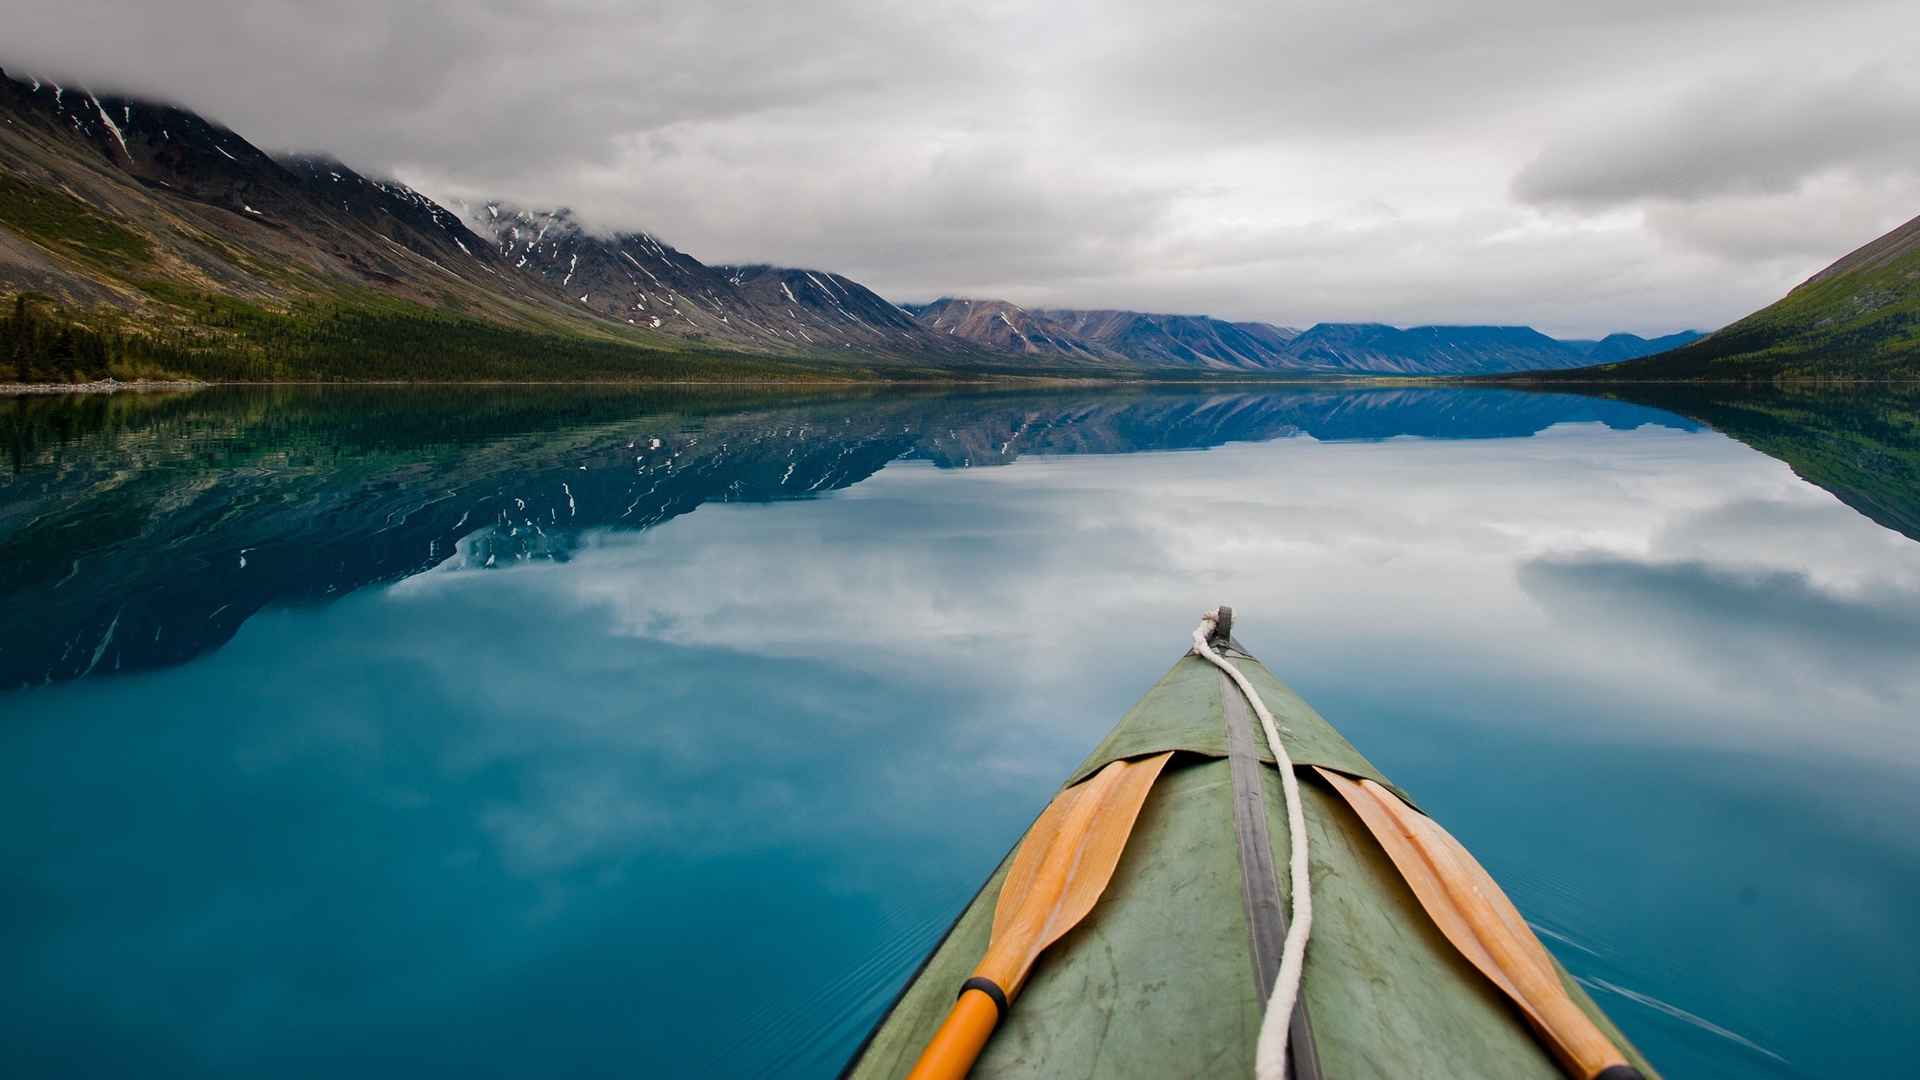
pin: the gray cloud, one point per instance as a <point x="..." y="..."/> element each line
<point x="1798" y="230"/>
<point x="1795" y="165"/>
<point x="1731" y="618"/>
<point x="1758" y="135"/>
<point x="1583" y="167"/>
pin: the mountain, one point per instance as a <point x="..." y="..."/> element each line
<point x="641" y="280"/>
<point x="1273" y="337"/>
<point x="1461" y="350"/>
<point x="1375" y="348"/>
<point x="108" y="196"/>
<point x="1857" y="319"/>
<point x="1630" y="346"/>
<point x="1121" y="338"/>
<point x="144" y="240"/>
<point x="1007" y="328"/>
<point x="1179" y="341"/>
<point x="1327" y="349"/>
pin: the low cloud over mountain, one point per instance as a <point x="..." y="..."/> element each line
<point x="1205" y="156"/>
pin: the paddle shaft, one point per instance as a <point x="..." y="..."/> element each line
<point x="1059" y="871"/>
<point x="954" y="1048"/>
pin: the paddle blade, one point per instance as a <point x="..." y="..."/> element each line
<point x="1064" y="865"/>
<point x="1476" y="917"/>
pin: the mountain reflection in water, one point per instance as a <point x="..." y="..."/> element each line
<point x="141" y="531"/>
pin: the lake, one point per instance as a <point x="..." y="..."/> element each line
<point x="535" y="731"/>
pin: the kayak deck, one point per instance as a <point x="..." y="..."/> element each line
<point x="1160" y="979"/>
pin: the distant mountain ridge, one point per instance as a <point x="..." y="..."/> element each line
<point x="1458" y="350"/>
<point x="1005" y="327"/>
<point x="1428" y="350"/>
<point x="1199" y="341"/>
<point x="1112" y="337"/>
<point x="184" y="248"/>
<point x="1190" y="341"/>
<point x="1629" y="346"/>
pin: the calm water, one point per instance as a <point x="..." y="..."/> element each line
<point x="555" y="733"/>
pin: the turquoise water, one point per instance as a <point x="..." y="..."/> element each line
<point x="477" y="733"/>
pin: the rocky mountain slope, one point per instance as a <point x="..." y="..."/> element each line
<point x="1009" y="328"/>
<point x="1330" y="349"/>
<point x="1857" y="319"/>
<point x="1180" y="341"/>
<point x="107" y="195"/>
<point x="1376" y="348"/>
<point x="1267" y="334"/>
<point x="170" y="244"/>
<point x="640" y="280"/>
<point x="1118" y="338"/>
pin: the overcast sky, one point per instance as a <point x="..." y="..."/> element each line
<point x="1645" y="165"/>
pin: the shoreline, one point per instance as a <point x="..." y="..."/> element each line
<point x="108" y="386"/>
<point x="114" y="386"/>
<point x="99" y="386"/>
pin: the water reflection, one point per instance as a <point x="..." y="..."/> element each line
<point x="760" y="753"/>
<point x="150" y="528"/>
<point x="1860" y="443"/>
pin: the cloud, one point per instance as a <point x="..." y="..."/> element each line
<point x="1798" y="228"/>
<point x="1796" y="166"/>
<point x="1584" y="167"/>
<point x="1733" y="619"/>
<point x="1755" y="135"/>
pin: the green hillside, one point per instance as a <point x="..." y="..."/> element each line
<point x="1857" y="319"/>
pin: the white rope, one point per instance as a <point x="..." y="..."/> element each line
<point x="1270" y="1051"/>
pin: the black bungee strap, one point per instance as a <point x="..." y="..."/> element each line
<point x="990" y="988"/>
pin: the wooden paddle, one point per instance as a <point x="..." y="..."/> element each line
<point x="1483" y="924"/>
<point x="1062" y="867"/>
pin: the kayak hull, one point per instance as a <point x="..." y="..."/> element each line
<point x="1159" y="979"/>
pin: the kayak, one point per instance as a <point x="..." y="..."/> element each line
<point x="1168" y="972"/>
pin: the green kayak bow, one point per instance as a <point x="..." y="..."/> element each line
<point x="1169" y="972"/>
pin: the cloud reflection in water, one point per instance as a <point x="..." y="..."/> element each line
<point x="762" y="751"/>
